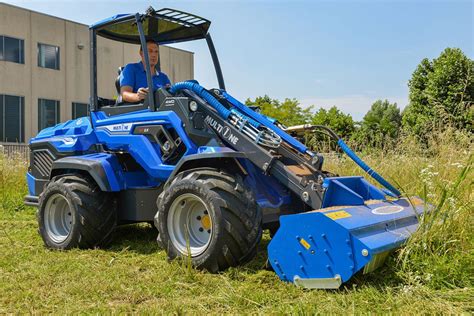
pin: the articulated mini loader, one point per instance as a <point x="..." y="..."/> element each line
<point x="211" y="173"/>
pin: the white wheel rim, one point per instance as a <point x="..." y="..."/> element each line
<point x="58" y="218"/>
<point x="189" y="225"/>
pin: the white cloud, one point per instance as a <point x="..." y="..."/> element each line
<point x="355" y="105"/>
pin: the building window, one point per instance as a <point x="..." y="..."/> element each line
<point x="48" y="113"/>
<point x="12" y="119"/>
<point x="48" y="56"/>
<point x="12" y="49"/>
<point x="79" y="110"/>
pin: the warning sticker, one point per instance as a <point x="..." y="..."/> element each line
<point x="338" y="215"/>
<point x="305" y="243"/>
<point x="416" y="201"/>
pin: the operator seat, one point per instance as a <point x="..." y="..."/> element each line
<point x="117" y="85"/>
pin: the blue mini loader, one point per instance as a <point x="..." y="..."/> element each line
<point x="211" y="173"/>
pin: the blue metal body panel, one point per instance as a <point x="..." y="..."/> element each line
<point x="117" y="134"/>
<point x="30" y="180"/>
<point x="349" y="191"/>
<point x="269" y="193"/>
<point x="72" y="136"/>
<point x="337" y="242"/>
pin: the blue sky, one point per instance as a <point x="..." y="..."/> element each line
<point x="324" y="53"/>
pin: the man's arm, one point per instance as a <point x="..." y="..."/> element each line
<point x="127" y="82"/>
<point x="129" y="96"/>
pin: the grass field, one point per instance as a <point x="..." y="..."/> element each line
<point x="432" y="274"/>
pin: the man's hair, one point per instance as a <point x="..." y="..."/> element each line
<point x="149" y="41"/>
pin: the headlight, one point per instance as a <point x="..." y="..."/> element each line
<point x="193" y="106"/>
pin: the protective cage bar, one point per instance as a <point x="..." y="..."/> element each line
<point x="180" y="17"/>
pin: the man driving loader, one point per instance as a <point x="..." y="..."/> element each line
<point x="133" y="83"/>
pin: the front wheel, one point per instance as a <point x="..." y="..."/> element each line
<point x="209" y="216"/>
<point x="74" y="213"/>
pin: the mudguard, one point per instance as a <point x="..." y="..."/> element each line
<point x="205" y="157"/>
<point x="102" y="167"/>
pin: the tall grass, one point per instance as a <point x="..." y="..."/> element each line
<point x="440" y="253"/>
<point x="12" y="183"/>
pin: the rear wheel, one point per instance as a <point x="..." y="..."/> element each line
<point x="209" y="216"/>
<point x="74" y="212"/>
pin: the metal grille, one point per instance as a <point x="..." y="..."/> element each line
<point x="42" y="162"/>
<point x="180" y="17"/>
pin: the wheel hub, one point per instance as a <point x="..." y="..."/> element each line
<point x="58" y="218"/>
<point x="206" y="222"/>
<point x="189" y="224"/>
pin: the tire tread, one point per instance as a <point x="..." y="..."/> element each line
<point x="241" y="219"/>
<point x="96" y="216"/>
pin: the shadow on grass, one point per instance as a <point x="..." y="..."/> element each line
<point x="382" y="278"/>
<point x="139" y="238"/>
<point x="259" y="262"/>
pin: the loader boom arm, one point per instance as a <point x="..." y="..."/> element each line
<point x="299" y="171"/>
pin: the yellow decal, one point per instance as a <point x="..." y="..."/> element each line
<point x="391" y="198"/>
<point x="305" y="243"/>
<point x="338" y="215"/>
<point x="371" y="202"/>
<point x="417" y="201"/>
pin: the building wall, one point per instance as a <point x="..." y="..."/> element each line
<point x="71" y="82"/>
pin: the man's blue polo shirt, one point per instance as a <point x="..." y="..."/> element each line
<point x="134" y="75"/>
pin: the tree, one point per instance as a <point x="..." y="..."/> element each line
<point x="441" y="94"/>
<point x="381" y="124"/>
<point x="418" y="113"/>
<point x="341" y="123"/>
<point x="287" y="113"/>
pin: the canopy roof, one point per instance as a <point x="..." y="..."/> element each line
<point x="163" y="26"/>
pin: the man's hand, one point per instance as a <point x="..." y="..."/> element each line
<point x="129" y="96"/>
<point x="142" y="93"/>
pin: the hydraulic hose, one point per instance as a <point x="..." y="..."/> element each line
<point x="200" y="91"/>
<point x="366" y="168"/>
<point x="329" y="132"/>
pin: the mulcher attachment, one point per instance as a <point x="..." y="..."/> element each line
<point x="326" y="247"/>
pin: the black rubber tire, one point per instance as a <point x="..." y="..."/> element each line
<point x="94" y="213"/>
<point x="236" y="220"/>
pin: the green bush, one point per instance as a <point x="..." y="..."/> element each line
<point x="441" y="94"/>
